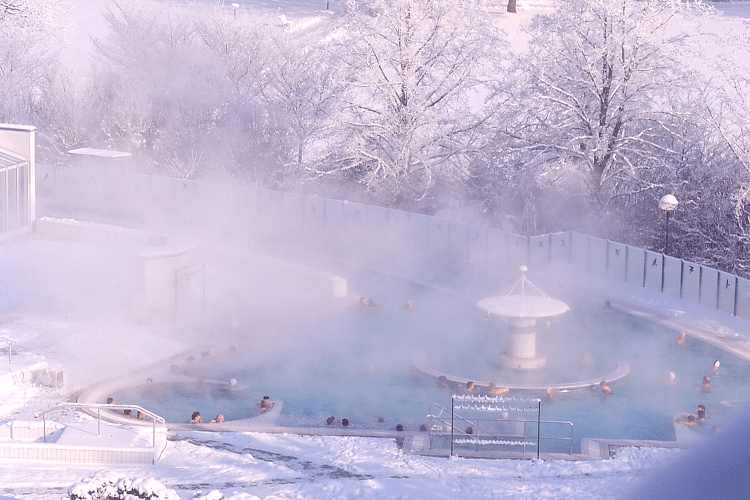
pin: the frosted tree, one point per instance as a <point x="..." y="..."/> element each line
<point x="601" y="73"/>
<point x="31" y="36"/>
<point x="240" y="42"/>
<point x="303" y="83"/>
<point x="719" y="221"/>
<point x="159" y="93"/>
<point x="727" y="111"/>
<point x="252" y="129"/>
<point x="406" y="118"/>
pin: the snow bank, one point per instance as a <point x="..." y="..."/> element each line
<point x="105" y="485"/>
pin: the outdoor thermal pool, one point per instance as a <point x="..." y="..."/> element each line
<point x="357" y="363"/>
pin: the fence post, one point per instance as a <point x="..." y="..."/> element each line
<point x="663" y="266"/>
<point x="451" y="426"/>
<point x="682" y="275"/>
<point x="606" y="260"/>
<point x="539" y="429"/>
<point x="736" y="288"/>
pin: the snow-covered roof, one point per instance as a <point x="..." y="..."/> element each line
<point x="103" y="153"/>
<point x="523" y="300"/>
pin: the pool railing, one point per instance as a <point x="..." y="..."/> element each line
<point x="497" y="433"/>
<point x="90" y="407"/>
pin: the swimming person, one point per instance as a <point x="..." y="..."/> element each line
<point x="330" y="421"/>
<point x="345" y="422"/>
<point x="606" y="391"/>
<point x="469" y="386"/>
<point x="409" y="306"/>
<point x="443" y="382"/>
<point x="265" y="404"/>
<point x="494" y="390"/>
<point x="232" y="383"/>
<point x="702" y="415"/>
<point x="689" y="421"/>
<point x="681" y="339"/>
<point x="715" y="367"/>
<point x="149" y="381"/>
<point x="706" y="387"/>
<point x="110" y="401"/>
<point x="551" y="394"/>
<point x="671" y="379"/>
<point x="196" y="418"/>
<point x="218" y="420"/>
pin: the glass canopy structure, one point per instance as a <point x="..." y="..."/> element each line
<point x="17" y="203"/>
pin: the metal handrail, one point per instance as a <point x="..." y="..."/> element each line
<point x="98" y="406"/>
<point x="460" y="418"/>
<point x="8" y="341"/>
<point x="477" y="437"/>
<point x="561" y="422"/>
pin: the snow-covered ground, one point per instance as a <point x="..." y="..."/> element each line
<point x="288" y="466"/>
<point x="295" y="467"/>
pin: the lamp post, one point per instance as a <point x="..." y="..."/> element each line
<point x="667" y="204"/>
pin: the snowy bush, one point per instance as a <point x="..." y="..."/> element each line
<point x="110" y="486"/>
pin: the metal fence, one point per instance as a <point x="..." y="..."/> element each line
<point x="337" y="224"/>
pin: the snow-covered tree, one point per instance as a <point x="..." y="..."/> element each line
<point x="240" y="42"/>
<point x="601" y="73"/>
<point x="302" y="85"/>
<point x="31" y="35"/>
<point x="717" y="220"/>
<point x="727" y="111"/>
<point x="158" y="92"/>
<point x="274" y="75"/>
<point x="411" y="67"/>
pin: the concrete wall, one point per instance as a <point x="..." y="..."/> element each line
<point x="40" y="452"/>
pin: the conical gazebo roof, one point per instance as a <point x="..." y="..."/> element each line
<point x="523" y="299"/>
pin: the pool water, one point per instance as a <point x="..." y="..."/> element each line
<point x="357" y="363"/>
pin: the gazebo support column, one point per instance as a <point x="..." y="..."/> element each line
<point x="521" y="353"/>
